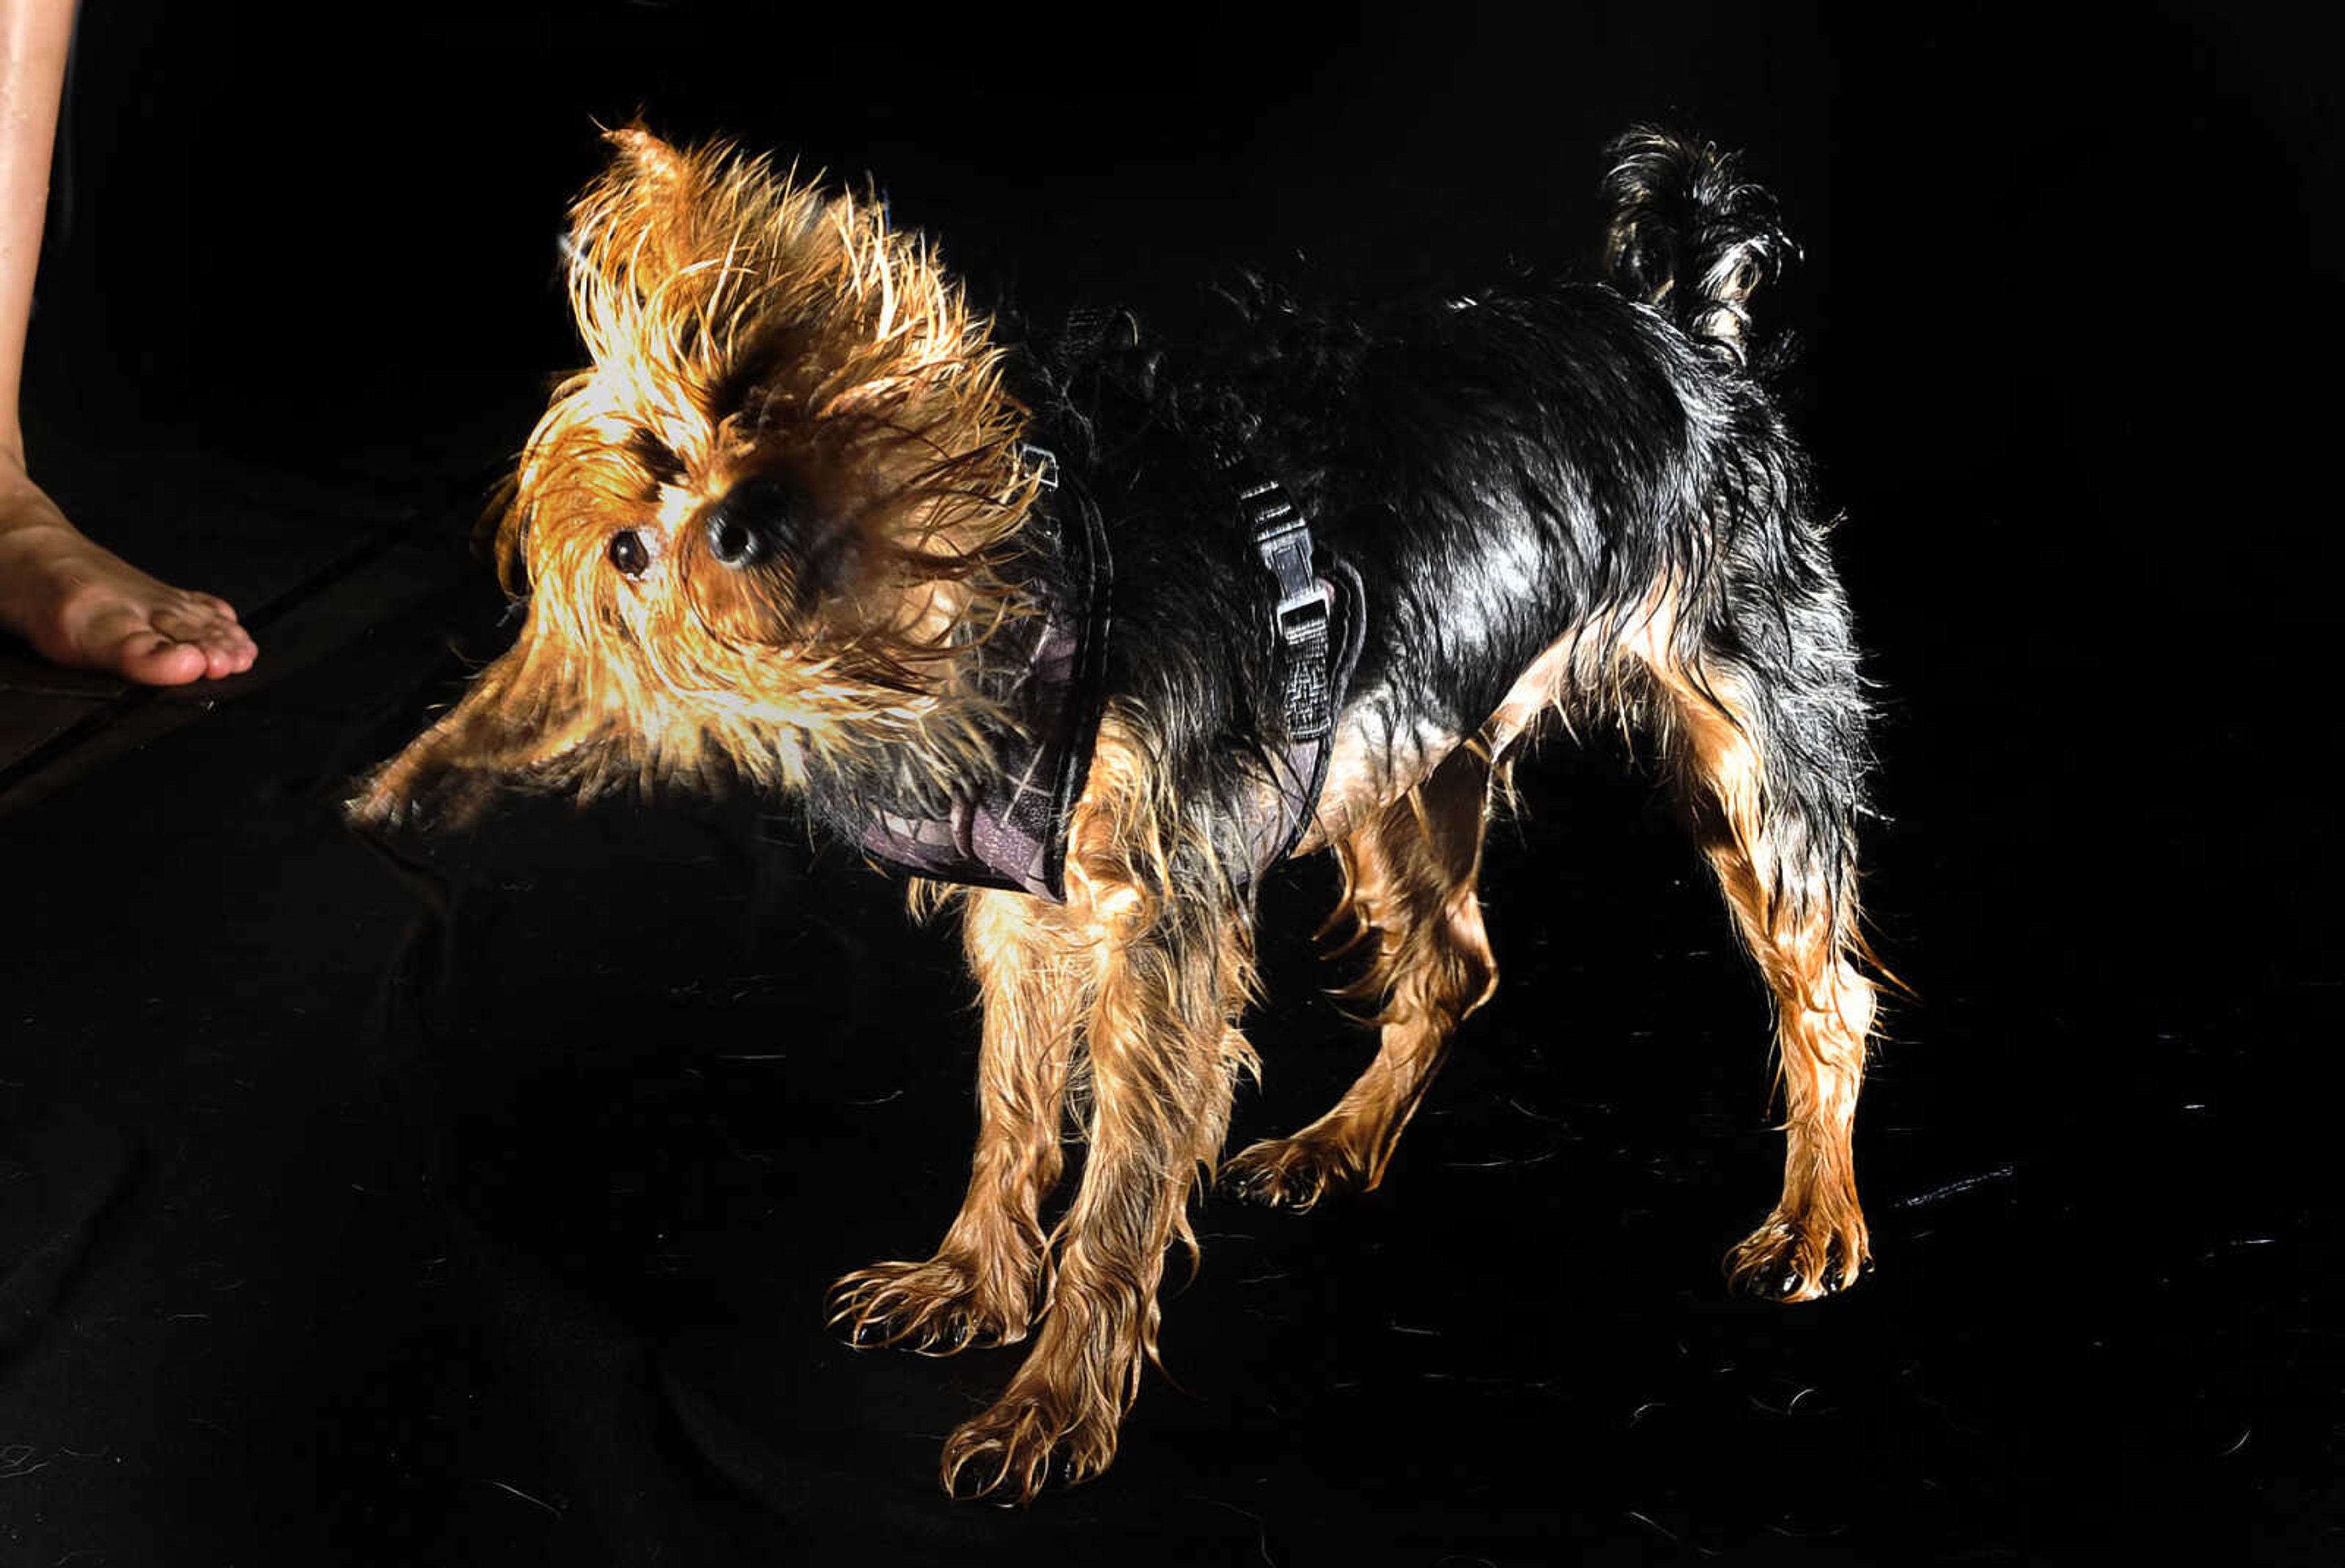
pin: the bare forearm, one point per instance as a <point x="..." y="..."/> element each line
<point x="34" y="35"/>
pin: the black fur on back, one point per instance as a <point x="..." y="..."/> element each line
<point x="1504" y="470"/>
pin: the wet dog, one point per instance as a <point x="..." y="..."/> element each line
<point x="1089" y="632"/>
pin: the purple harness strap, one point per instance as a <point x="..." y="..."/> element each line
<point x="1014" y="836"/>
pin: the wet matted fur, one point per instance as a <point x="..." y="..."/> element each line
<point x="771" y="538"/>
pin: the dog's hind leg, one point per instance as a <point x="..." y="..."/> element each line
<point x="980" y="1287"/>
<point x="1769" y="755"/>
<point x="1411" y="885"/>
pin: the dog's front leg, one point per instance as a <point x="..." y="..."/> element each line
<point x="1034" y="972"/>
<point x="1169" y="975"/>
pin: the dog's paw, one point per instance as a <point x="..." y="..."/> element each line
<point x="1011" y="1450"/>
<point x="1294" y="1172"/>
<point x="936" y="1307"/>
<point x="1793" y="1257"/>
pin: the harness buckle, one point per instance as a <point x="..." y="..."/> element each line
<point x="1299" y="613"/>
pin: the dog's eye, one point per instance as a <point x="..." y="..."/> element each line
<point x="627" y="553"/>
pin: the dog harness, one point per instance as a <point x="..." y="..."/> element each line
<point x="1314" y="667"/>
<point x="1013" y="835"/>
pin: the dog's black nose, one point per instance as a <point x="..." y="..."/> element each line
<point x="756" y="520"/>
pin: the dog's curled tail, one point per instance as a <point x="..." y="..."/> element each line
<point x="1687" y="235"/>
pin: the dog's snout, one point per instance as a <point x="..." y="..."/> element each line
<point x="731" y="540"/>
<point x="755" y="520"/>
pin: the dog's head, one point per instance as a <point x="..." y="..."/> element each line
<point x="757" y="533"/>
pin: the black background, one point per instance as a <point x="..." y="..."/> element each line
<point x="345" y="1234"/>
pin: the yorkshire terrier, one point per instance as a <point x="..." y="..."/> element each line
<point x="1088" y="633"/>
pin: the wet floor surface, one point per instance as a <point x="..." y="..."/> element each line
<point x="482" y="1212"/>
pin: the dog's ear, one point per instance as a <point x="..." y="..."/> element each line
<point x="641" y="160"/>
<point x="646" y="217"/>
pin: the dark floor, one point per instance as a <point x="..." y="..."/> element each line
<point x="356" y="1218"/>
<point x="339" y="1235"/>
